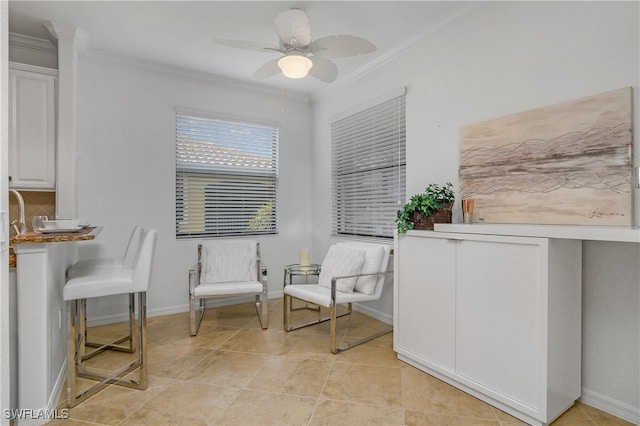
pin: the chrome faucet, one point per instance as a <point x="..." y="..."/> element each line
<point x="19" y="225"/>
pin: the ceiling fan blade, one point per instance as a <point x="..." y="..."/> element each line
<point x="267" y="70"/>
<point x="293" y="28"/>
<point x="247" y="45"/>
<point x="341" y="45"/>
<point x="323" y="69"/>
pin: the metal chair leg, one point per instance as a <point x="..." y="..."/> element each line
<point x="332" y="332"/>
<point x="114" y="345"/>
<point x="288" y="310"/>
<point x="333" y="316"/>
<point x="261" y="309"/>
<point x="196" y="312"/>
<point x="285" y="310"/>
<point x="142" y="340"/>
<point x="72" y="354"/>
<point x="76" y="319"/>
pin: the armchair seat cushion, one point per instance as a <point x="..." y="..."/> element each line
<point x="319" y="295"/>
<point x="241" y="287"/>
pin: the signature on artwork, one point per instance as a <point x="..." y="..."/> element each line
<point x="597" y="214"/>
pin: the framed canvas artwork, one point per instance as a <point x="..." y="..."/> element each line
<point x="569" y="163"/>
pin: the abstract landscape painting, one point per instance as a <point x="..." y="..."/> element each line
<point x="568" y="163"/>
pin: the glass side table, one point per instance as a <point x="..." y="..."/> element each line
<point x="297" y="270"/>
<point x="294" y="274"/>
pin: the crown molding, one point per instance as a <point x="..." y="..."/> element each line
<point x="33" y="68"/>
<point x="455" y="17"/>
<point x="32" y="43"/>
<point x="189" y="75"/>
<point x="58" y="31"/>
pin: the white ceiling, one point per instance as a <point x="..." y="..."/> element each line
<point x="180" y="33"/>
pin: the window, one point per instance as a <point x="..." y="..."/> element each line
<point x="226" y="177"/>
<point x="368" y="168"/>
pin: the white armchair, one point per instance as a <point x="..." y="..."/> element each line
<point x="352" y="272"/>
<point x="227" y="268"/>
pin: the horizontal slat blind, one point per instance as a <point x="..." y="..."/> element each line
<point x="226" y="177"/>
<point x="369" y="169"/>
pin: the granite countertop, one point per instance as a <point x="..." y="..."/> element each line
<point x="37" y="237"/>
<point x="88" y="233"/>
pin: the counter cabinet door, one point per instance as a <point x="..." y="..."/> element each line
<point x="500" y="337"/>
<point x="426" y="297"/>
<point x="32" y="163"/>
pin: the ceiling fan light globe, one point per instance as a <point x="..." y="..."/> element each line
<point x="295" y="66"/>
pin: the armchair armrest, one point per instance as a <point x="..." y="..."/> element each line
<point x="335" y="279"/>
<point x="194" y="278"/>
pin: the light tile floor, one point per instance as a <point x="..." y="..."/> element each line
<point x="234" y="373"/>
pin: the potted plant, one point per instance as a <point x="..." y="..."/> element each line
<point x="423" y="210"/>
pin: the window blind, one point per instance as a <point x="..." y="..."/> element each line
<point x="369" y="169"/>
<point x="226" y="177"/>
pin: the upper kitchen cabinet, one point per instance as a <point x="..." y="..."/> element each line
<point x="32" y="127"/>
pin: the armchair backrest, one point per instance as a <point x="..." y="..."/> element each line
<point x="376" y="260"/>
<point x="226" y="261"/>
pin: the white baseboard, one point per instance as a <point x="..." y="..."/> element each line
<point x="176" y="309"/>
<point x="59" y="388"/>
<point x="611" y="406"/>
<point x="380" y="316"/>
<point x="214" y="303"/>
<point x="44" y="415"/>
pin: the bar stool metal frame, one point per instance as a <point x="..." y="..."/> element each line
<point x="135" y="340"/>
<point x="77" y="351"/>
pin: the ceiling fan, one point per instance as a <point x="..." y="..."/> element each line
<point x="301" y="55"/>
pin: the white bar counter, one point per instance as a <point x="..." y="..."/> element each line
<point x="42" y="262"/>
<point x="568" y="232"/>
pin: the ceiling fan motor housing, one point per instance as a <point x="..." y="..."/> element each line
<point x="303" y="57"/>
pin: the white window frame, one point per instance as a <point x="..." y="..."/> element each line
<point x="226" y="176"/>
<point x="368" y="168"/>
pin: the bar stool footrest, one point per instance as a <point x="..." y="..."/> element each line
<point x="116" y="378"/>
<point x="111" y="346"/>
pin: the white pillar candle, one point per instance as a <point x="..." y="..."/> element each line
<point x="305" y="257"/>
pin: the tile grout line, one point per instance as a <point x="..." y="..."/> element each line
<point x="319" y="397"/>
<point x="147" y="401"/>
<point x="179" y="377"/>
<point x="587" y="415"/>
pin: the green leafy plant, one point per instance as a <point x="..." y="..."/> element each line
<point x="433" y="198"/>
<point x="262" y="220"/>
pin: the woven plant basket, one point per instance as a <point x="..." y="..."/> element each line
<point x="422" y="222"/>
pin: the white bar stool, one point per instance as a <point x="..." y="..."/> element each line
<point x="127" y="260"/>
<point x="104" y="279"/>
